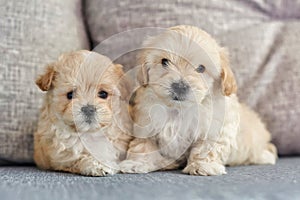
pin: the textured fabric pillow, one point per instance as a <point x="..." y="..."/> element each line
<point x="263" y="38"/>
<point x="32" y="34"/>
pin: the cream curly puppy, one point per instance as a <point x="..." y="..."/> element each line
<point x="83" y="123"/>
<point x="186" y="112"/>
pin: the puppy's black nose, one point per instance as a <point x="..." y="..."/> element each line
<point x="88" y="110"/>
<point x="179" y="90"/>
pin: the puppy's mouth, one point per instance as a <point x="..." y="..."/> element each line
<point x="86" y="126"/>
<point x="90" y="120"/>
<point x="176" y="97"/>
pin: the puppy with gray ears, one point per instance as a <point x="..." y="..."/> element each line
<point x="83" y="126"/>
<point x="186" y="111"/>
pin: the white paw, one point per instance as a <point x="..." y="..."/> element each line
<point x="266" y="158"/>
<point x="99" y="170"/>
<point x="205" y="168"/>
<point x="132" y="166"/>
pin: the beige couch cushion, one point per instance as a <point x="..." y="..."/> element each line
<point x="263" y="37"/>
<point x="33" y="33"/>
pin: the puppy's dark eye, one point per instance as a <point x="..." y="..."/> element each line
<point x="200" y="69"/>
<point x="70" y="95"/>
<point x="102" y="94"/>
<point x="165" y="62"/>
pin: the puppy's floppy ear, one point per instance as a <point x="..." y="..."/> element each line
<point x="229" y="85"/>
<point x="123" y="84"/>
<point x="142" y="74"/>
<point x="118" y="70"/>
<point x="44" y="81"/>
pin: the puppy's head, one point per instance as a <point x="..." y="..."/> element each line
<point x="80" y="87"/>
<point x="184" y="64"/>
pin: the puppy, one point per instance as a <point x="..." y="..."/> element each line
<point x="186" y="112"/>
<point x="83" y="123"/>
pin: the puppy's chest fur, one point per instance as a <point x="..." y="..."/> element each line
<point x="64" y="147"/>
<point x="68" y="147"/>
<point x="178" y="133"/>
<point x="175" y="126"/>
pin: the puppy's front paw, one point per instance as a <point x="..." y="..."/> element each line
<point x="132" y="166"/>
<point x="98" y="170"/>
<point x="205" y="168"/>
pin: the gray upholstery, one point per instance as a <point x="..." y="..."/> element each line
<point x="281" y="181"/>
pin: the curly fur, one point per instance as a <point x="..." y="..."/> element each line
<point x="205" y="132"/>
<point x="65" y="140"/>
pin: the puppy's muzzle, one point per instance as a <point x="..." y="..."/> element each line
<point x="89" y="112"/>
<point x="179" y="90"/>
